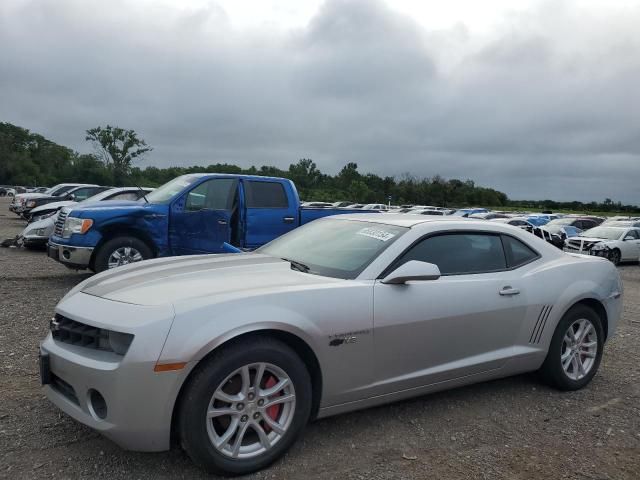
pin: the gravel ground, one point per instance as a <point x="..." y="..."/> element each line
<point x="515" y="428"/>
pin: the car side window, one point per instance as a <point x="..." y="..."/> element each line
<point x="459" y="253"/>
<point x="83" y="193"/>
<point x="633" y="233"/>
<point x="265" y="195"/>
<point x="518" y="253"/>
<point x="126" y="196"/>
<point x="215" y="194"/>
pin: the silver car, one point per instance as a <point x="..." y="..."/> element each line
<point x="234" y="354"/>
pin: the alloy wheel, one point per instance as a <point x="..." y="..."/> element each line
<point x="124" y="256"/>
<point x="579" y="349"/>
<point x="251" y="410"/>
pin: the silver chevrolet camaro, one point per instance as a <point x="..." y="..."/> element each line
<point x="231" y="355"/>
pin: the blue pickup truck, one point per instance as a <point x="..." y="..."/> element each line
<point x="191" y="214"/>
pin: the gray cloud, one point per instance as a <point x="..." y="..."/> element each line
<point x="546" y="106"/>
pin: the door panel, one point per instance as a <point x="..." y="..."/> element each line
<point x="270" y="212"/>
<point x="431" y="331"/>
<point x="200" y="219"/>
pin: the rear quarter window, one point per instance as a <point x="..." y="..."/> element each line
<point x="517" y="252"/>
<point x="265" y="195"/>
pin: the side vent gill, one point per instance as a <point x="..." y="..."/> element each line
<point x="538" y="329"/>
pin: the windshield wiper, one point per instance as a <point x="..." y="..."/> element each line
<point x="301" y="267"/>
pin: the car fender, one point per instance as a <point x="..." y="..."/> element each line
<point x="199" y="334"/>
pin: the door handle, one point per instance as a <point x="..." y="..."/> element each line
<point x="222" y="222"/>
<point x="509" y="290"/>
<point x="288" y="219"/>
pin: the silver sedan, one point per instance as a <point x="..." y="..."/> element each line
<point x="234" y="354"/>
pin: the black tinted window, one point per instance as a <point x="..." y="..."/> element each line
<point x="460" y="253"/>
<point x="517" y="252"/>
<point x="216" y="194"/>
<point x="632" y="233"/>
<point x="266" y="195"/>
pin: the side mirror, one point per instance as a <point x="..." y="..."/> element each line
<point x="412" y="270"/>
<point x="71" y="197"/>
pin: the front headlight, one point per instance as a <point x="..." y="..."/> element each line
<point x="599" y="246"/>
<point x="31" y="203"/>
<point x="76" y="225"/>
<point x="47" y="215"/>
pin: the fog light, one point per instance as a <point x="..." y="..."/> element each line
<point x="66" y="254"/>
<point x="97" y="404"/>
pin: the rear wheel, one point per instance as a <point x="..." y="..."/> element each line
<point x="576" y="349"/>
<point x="244" y="407"/>
<point x="121" y="251"/>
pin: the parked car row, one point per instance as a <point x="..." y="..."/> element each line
<point x="43" y="219"/>
<point x="11" y="191"/>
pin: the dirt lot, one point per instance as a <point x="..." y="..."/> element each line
<point x="506" y="429"/>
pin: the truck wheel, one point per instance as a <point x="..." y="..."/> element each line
<point x="244" y="406"/>
<point x="121" y="251"/>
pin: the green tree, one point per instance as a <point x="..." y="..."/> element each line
<point x="118" y="148"/>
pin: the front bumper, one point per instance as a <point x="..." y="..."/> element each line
<point x="74" y="257"/>
<point x="139" y="402"/>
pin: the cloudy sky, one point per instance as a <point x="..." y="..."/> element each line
<point x="539" y="99"/>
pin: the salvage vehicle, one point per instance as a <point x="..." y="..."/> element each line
<point x="37" y="233"/>
<point x="19" y="200"/>
<point x="75" y="194"/>
<point x="583" y="223"/>
<point x="117" y="193"/>
<point x="192" y="214"/>
<point x="618" y="244"/>
<point x="234" y="354"/>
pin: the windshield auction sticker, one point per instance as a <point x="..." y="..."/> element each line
<point x="377" y="234"/>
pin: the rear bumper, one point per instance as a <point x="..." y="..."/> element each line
<point x="74" y="257"/>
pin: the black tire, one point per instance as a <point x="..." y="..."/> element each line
<point x="551" y="370"/>
<point x="615" y="256"/>
<point x="101" y="262"/>
<point x="202" y="384"/>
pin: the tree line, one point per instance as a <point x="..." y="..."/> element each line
<point x="30" y="159"/>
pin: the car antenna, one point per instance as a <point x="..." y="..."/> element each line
<point x="144" y="195"/>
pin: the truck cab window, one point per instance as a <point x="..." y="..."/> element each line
<point x="265" y="195"/>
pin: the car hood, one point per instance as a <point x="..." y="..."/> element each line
<point x="29" y="196"/>
<point x="177" y="279"/>
<point x="52" y="206"/>
<point x="592" y="239"/>
<point x="86" y="209"/>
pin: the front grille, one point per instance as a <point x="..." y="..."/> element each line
<point x="69" y="331"/>
<point x="65" y="330"/>
<point x="62" y="216"/>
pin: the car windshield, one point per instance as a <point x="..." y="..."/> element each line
<point x="603" y="232"/>
<point x="167" y="191"/>
<point x="334" y="248"/>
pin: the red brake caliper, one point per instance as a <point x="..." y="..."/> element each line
<point x="273" y="411"/>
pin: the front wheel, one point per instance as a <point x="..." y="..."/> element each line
<point x="615" y="256"/>
<point x="244" y="407"/>
<point x="121" y="251"/>
<point x="576" y="349"/>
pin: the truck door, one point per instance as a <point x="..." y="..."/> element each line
<point x="200" y="219"/>
<point x="271" y="211"/>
